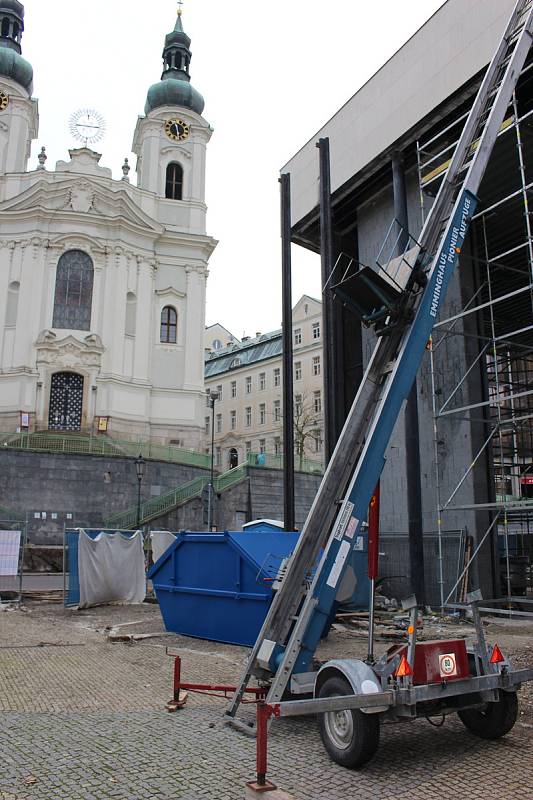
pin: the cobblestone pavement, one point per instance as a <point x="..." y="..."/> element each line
<point x="82" y="719"/>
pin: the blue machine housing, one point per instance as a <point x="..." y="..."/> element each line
<point x="218" y="586"/>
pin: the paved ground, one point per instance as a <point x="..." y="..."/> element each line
<point x="83" y="719"/>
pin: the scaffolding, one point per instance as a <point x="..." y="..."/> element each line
<point x="495" y="320"/>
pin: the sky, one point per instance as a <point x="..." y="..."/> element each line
<point x="271" y="75"/>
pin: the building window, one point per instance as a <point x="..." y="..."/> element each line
<point x="237" y="362"/>
<point x="219" y="390"/>
<point x="248" y="385"/>
<point x="317" y="436"/>
<point x="262" y="381"/>
<point x="207" y="425"/>
<point x="317" y="402"/>
<point x="233" y="420"/>
<point x="316" y="330"/>
<point x="277" y="446"/>
<point x="216" y="344"/>
<point x="277" y="410"/>
<point x="12" y="303"/>
<point x="262" y="446"/>
<point x="218" y="457"/>
<point x="262" y="414"/>
<point x="248" y="413"/>
<point x="316" y="365"/>
<point x="219" y="423"/>
<point x="131" y="314"/>
<point x="298" y="336"/>
<point x="248" y="448"/>
<point x="298" y="404"/>
<point x="174" y="182"/>
<point x="169" y="325"/>
<point x="74" y="291"/>
<point x="298" y="371"/>
<point x="277" y="376"/>
<point x="234" y="388"/>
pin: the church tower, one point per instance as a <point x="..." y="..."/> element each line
<point x="170" y="141"/>
<point x="19" y="120"/>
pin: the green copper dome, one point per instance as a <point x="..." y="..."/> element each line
<point x="12" y="65"/>
<point x="172" y="92"/>
<point x="15" y="67"/>
<point x="174" y="88"/>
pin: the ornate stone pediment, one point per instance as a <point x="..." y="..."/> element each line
<point x="68" y="194"/>
<point x="69" y="352"/>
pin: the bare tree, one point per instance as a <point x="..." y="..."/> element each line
<point x="307" y="422"/>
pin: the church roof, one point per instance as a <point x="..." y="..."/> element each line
<point x="12" y="65"/>
<point x="175" y="88"/>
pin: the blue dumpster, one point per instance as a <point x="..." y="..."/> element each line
<point x="218" y="586"/>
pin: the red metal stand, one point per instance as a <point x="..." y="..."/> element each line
<point x="264" y="713"/>
<point x="181" y="689"/>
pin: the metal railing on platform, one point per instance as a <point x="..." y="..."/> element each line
<point x="80" y="444"/>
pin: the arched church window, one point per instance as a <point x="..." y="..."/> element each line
<point x="74" y="291"/>
<point x="169" y="325"/>
<point x="5" y="27"/>
<point x="174" y="181"/>
<point x="131" y="313"/>
<point x="15" y="30"/>
<point x="12" y="303"/>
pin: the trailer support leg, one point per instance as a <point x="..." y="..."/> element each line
<point x="263" y="715"/>
<point x="179" y="698"/>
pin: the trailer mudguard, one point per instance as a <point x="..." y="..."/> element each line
<point x="359" y="675"/>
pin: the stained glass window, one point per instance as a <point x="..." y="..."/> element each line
<point x="169" y="325"/>
<point x="74" y="291"/>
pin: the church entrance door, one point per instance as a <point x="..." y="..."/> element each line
<point x="66" y="401"/>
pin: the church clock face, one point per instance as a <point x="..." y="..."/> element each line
<point x="176" y="129"/>
<point x="4" y="100"/>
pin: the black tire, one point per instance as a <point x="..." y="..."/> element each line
<point x="351" y="738"/>
<point x="494" y="720"/>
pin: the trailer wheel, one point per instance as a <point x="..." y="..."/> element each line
<point x="350" y="737"/>
<point x="494" y="720"/>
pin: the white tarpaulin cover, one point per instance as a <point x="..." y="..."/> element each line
<point x="111" y="569"/>
<point x="9" y="552"/>
<point x="161" y="541"/>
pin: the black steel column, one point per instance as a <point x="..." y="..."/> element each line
<point x="288" y="418"/>
<point x="412" y="431"/>
<point x="330" y="373"/>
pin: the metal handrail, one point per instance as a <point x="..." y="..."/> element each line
<point x="158" y="506"/>
<point x="101" y="446"/>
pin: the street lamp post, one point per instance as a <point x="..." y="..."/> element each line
<point x="139" y="467"/>
<point x="213" y="397"/>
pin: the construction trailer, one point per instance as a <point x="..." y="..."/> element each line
<point x="401" y="302"/>
<point x="464" y="441"/>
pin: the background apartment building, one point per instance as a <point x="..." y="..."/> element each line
<point x="248" y="375"/>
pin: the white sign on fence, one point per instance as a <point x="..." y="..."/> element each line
<point x="9" y="552"/>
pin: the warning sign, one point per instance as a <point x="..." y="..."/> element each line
<point x="448" y="665"/>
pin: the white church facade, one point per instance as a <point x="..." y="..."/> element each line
<point x="102" y="283"/>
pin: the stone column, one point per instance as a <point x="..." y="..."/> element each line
<point x="107" y="300"/>
<point x="143" y="320"/>
<point x="6" y="261"/>
<point x="194" y="328"/>
<point x="116" y="307"/>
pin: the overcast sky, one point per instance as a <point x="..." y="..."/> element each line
<point x="270" y="74"/>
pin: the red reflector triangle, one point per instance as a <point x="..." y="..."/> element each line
<point x="497" y="656"/>
<point x="404" y="668"/>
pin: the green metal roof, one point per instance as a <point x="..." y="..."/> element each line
<point x="14" y="66"/>
<point x="269" y="345"/>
